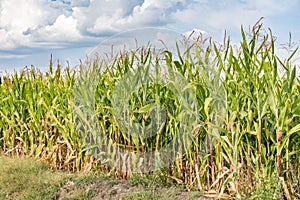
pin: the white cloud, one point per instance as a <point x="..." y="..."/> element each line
<point x="14" y="20"/>
<point x="12" y="56"/>
<point x="30" y="22"/>
<point x="35" y="22"/>
<point x="103" y="17"/>
<point x="106" y="24"/>
<point x="153" y="12"/>
<point x="63" y="29"/>
<point x="223" y="14"/>
<point x="11" y="39"/>
<point x="19" y="15"/>
<point x="194" y="33"/>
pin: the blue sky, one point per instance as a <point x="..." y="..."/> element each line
<point x="30" y="30"/>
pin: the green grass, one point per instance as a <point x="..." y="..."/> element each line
<point x="26" y="178"/>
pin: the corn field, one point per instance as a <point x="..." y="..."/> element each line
<point x="245" y="145"/>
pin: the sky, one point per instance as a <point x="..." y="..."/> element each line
<point x="32" y="30"/>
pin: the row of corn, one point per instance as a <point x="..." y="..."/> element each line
<point x="218" y="118"/>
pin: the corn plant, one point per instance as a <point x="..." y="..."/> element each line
<point x="240" y="107"/>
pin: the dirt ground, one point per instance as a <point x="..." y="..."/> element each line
<point x="24" y="178"/>
<point x="122" y="189"/>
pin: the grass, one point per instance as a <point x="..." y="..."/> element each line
<point x="27" y="178"/>
<point x="232" y="113"/>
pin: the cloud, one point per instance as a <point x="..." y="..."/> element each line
<point x="153" y="12"/>
<point x="63" y="29"/>
<point x="194" y="33"/>
<point x="11" y="56"/>
<point x="80" y="3"/>
<point x="28" y="14"/>
<point x="107" y="17"/>
<point x="101" y="17"/>
<point x="58" y="23"/>
<point x="230" y="14"/>
<point x="17" y="23"/>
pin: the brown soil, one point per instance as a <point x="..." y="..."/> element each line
<point x="120" y="189"/>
